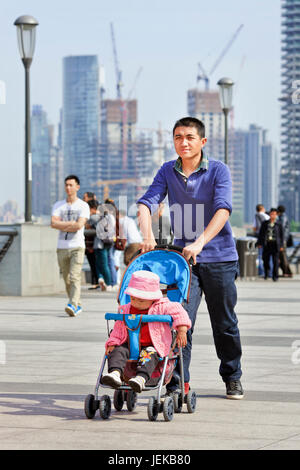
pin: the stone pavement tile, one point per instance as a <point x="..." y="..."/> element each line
<point x="216" y="424"/>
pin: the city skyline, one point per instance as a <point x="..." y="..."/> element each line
<point x="169" y="62"/>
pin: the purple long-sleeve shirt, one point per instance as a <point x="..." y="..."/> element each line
<point x="193" y="201"/>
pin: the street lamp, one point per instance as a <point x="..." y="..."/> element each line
<point x="26" y="41"/>
<point x="225" y="85"/>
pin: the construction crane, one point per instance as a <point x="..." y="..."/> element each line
<point x="134" y="83"/>
<point x="203" y="75"/>
<point x="123" y="103"/>
<point x="117" y="68"/>
<point x="108" y="183"/>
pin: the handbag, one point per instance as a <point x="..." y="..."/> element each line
<point x="120" y="243"/>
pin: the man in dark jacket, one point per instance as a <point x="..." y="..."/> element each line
<point x="283" y="260"/>
<point x="270" y="238"/>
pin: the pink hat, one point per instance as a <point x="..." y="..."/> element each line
<point x="144" y="285"/>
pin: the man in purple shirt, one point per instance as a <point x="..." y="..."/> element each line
<point x="200" y="199"/>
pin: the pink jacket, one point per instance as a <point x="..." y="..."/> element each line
<point x="160" y="332"/>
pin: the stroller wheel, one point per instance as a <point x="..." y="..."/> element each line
<point x="131" y="400"/>
<point x="105" y="407"/>
<point x="168" y="409"/>
<point x="89" y="408"/>
<point x="191" y="400"/>
<point x="177" y="398"/>
<point x="118" y="400"/>
<point x="153" y="409"/>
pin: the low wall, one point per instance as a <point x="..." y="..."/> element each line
<point x="30" y="266"/>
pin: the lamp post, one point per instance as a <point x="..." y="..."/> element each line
<point x="26" y="41"/>
<point x="226" y="85"/>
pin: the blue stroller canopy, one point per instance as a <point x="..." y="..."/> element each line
<point x="171" y="267"/>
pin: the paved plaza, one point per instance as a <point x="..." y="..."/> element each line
<point x="49" y="362"/>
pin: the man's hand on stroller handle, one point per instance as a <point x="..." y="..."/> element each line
<point x="147" y="244"/>
<point x="191" y="251"/>
<point x="181" y="336"/>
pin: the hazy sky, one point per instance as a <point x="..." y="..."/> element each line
<point x="166" y="37"/>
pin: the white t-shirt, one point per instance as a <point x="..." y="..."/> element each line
<point x="66" y="211"/>
<point x="129" y="230"/>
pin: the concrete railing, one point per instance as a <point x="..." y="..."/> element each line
<point x="29" y="266"/>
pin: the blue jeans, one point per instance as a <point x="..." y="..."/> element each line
<point x="102" y="267"/>
<point x="217" y="282"/>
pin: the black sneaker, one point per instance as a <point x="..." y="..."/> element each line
<point x="234" y="390"/>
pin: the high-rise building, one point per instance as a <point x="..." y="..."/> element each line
<point x="260" y="172"/>
<point x="270" y="173"/>
<point x="41" y="144"/>
<point x="236" y="151"/>
<point x="290" y="108"/>
<point x="81" y="118"/>
<point x="125" y="159"/>
<point x="205" y="105"/>
<point x="252" y="171"/>
<point x="57" y="192"/>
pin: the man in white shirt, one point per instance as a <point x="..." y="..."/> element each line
<point x="69" y="217"/>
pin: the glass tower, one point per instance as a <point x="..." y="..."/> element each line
<point x="290" y="108"/>
<point x="80" y="118"/>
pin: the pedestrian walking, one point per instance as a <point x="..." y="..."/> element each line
<point x="104" y="240"/>
<point x="283" y="260"/>
<point x="90" y="234"/>
<point x="199" y="187"/>
<point x="270" y="239"/>
<point x="259" y="218"/>
<point x="69" y="217"/>
<point x="113" y="210"/>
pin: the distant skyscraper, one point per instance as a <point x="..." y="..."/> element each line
<point x="80" y="121"/>
<point x="237" y="150"/>
<point x="41" y="143"/>
<point x="261" y="172"/>
<point x="290" y="108"/>
<point x="270" y="176"/>
<point x="253" y="171"/>
<point x="57" y="192"/>
<point x="205" y="105"/>
<point x="124" y="158"/>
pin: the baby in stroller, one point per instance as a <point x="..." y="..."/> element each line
<point x="155" y="338"/>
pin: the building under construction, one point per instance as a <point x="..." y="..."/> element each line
<point x="124" y="160"/>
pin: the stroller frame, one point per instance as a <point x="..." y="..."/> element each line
<point x="157" y="404"/>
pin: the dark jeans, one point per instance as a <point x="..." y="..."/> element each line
<point x="217" y="282"/>
<point x="271" y="251"/>
<point x="147" y="362"/>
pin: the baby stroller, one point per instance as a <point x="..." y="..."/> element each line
<point x="175" y="276"/>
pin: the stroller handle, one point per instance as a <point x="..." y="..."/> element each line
<point x="145" y="319"/>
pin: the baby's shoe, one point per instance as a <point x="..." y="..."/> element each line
<point x="137" y="383"/>
<point x="113" y="379"/>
